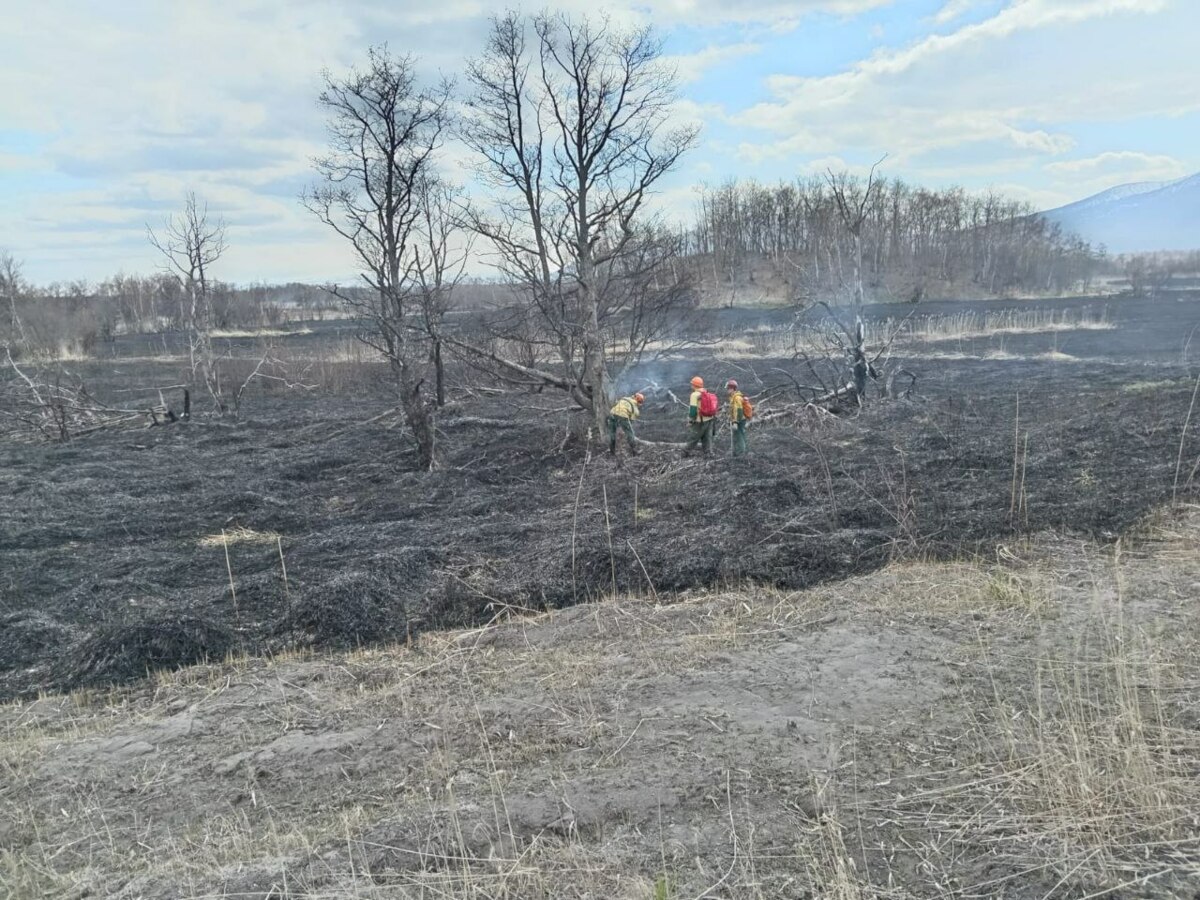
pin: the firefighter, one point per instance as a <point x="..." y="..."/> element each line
<point x="702" y="414"/>
<point x="737" y="417"/>
<point x="621" y="417"/>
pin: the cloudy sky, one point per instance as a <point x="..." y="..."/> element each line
<point x="111" y="111"/>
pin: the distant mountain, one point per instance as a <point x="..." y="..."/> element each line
<point x="1133" y="218"/>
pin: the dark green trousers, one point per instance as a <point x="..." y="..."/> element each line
<point x="739" y="438"/>
<point x="700" y="434"/>
<point x="620" y="423"/>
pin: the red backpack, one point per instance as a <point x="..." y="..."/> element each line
<point x="709" y="404"/>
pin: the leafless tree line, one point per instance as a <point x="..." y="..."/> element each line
<point x="911" y="241"/>
<point x="1151" y="273"/>
<point x="79" y="317"/>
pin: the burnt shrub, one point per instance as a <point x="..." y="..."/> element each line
<point x="120" y="652"/>
<point x="27" y="637"/>
<point x="357" y="607"/>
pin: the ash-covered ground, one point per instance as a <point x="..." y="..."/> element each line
<point x="112" y="559"/>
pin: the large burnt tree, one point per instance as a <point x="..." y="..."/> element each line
<point x="384" y="130"/>
<point x="570" y="121"/>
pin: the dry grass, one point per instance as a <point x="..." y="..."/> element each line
<point x="767" y="340"/>
<point x="259" y="332"/>
<point x="997" y="356"/>
<point x="1083" y="773"/>
<point x="935" y="589"/>
<point x="1148" y="387"/>
<point x="972" y="325"/>
<point x="239" y="534"/>
<point x="1084" y="776"/>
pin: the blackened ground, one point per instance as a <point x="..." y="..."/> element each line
<point x="106" y="543"/>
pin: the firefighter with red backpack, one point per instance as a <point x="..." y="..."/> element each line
<point x="740" y="413"/>
<point x="702" y="414"/>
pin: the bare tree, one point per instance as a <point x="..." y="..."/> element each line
<point x="384" y="129"/>
<point x="190" y="245"/>
<point x="440" y="252"/>
<point x="574" y="134"/>
<point x="852" y="207"/>
<point x="11" y="287"/>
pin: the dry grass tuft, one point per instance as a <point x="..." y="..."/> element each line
<point x="259" y="332"/>
<point x="933" y="589"/>
<point x="1148" y="387"/>
<point x="239" y="534"/>
<point x="971" y="325"/>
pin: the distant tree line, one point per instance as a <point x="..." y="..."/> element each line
<point x="915" y="242"/>
<point x="1149" y="273"/>
<point x="63" y="318"/>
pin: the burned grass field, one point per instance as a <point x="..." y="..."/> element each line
<point x="942" y="646"/>
<point x="306" y="525"/>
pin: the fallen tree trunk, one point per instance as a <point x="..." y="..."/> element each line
<point x="535" y="375"/>
<point x="669" y="445"/>
<point x="464" y="421"/>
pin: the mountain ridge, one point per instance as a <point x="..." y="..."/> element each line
<point x="1137" y="217"/>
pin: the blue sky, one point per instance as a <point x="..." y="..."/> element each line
<point x="111" y="112"/>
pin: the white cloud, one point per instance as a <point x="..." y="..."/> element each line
<point x="26" y="163"/>
<point x="778" y="14"/>
<point x="1093" y="174"/>
<point x="1005" y="86"/>
<point x="1040" y="141"/>
<point x="147" y="100"/>
<point x="1145" y="166"/>
<point x="954" y="9"/>
<point x="1037" y="197"/>
<point x="1023" y="15"/>
<point x="694" y="66"/>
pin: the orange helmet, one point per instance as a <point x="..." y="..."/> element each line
<point x="698" y="382"/>
<point x="731" y="384"/>
<point x="639" y="398"/>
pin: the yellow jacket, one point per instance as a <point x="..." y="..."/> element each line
<point x="625" y="408"/>
<point x="736" y="412"/>
<point x="694" y="408"/>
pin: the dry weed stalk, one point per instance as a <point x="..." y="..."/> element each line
<point x="1182" y="438"/>
<point x="1085" y="776"/>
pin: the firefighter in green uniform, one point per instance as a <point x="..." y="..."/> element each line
<point x="737" y="416"/>
<point x="702" y="414"/>
<point x="621" y="417"/>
